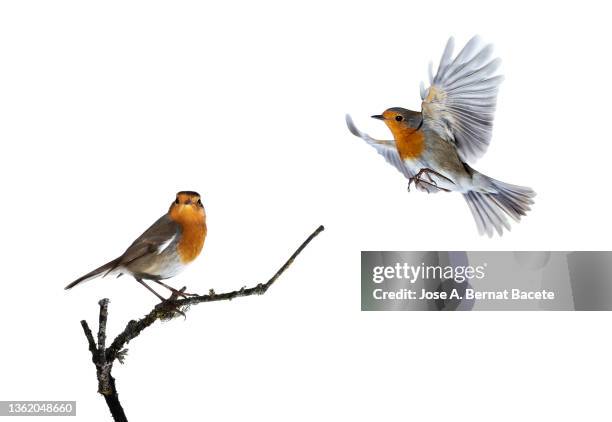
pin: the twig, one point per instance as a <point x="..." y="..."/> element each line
<point x="90" y="339"/>
<point x="106" y="382"/>
<point x="103" y="357"/>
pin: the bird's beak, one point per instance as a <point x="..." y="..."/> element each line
<point x="378" y="116"/>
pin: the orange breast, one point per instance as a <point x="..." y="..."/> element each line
<point x="410" y="143"/>
<point x="191" y="243"/>
<point x="193" y="233"/>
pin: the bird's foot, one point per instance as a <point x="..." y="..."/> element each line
<point x="178" y="293"/>
<point x="169" y="308"/>
<point x="426" y="185"/>
<point x="182" y="293"/>
<point x="174" y="291"/>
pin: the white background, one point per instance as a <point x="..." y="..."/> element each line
<point x="107" y="109"/>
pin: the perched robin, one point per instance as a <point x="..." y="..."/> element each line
<point x="164" y="249"/>
<point x="432" y="148"/>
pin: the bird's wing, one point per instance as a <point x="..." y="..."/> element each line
<point x="460" y="103"/>
<point x="153" y="241"/>
<point x="385" y="148"/>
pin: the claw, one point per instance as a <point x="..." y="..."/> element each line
<point x="169" y="308"/>
<point x="180" y="292"/>
<point x="418" y="179"/>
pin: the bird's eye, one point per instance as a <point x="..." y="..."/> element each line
<point x="399" y="118"/>
<point x="199" y="202"/>
<point x="177" y="201"/>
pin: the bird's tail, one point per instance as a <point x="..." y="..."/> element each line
<point x="109" y="266"/>
<point x="491" y="208"/>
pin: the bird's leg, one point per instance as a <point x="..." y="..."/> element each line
<point x="433" y="185"/>
<point x="150" y="289"/>
<point x="417" y="182"/>
<point x="428" y="172"/>
<point x="418" y="179"/>
<point x="173" y="290"/>
<point x="167" y="304"/>
<point x="171" y="304"/>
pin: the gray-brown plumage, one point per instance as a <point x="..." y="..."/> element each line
<point x="164" y="249"/>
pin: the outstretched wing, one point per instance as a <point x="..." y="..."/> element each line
<point x="385" y="148"/>
<point x="460" y="103"/>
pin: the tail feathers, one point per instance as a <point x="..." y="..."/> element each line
<point x="101" y="271"/>
<point x="490" y="210"/>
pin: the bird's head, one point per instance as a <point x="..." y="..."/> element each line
<point x="399" y="119"/>
<point x="188" y="204"/>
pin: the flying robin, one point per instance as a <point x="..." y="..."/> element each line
<point x="432" y="148"/>
<point x="164" y="249"/>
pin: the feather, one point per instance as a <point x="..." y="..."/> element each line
<point x="461" y="105"/>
